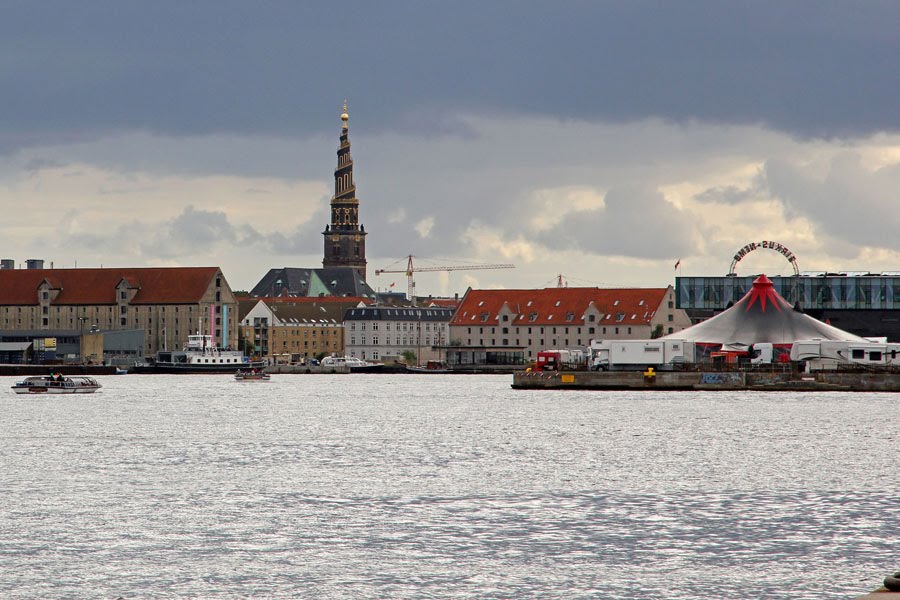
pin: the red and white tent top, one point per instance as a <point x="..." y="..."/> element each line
<point x="762" y="316"/>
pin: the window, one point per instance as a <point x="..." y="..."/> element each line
<point x="671" y="318"/>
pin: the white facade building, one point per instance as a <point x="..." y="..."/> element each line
<point x="386" y="333"/>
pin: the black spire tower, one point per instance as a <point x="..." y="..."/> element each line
<point x="345" y="238"/>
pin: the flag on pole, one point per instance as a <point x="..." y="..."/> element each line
<point x="677" y="264"/>
<point x="392" y="284"/>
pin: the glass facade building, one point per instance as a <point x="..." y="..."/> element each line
<point x="813" y="292"/>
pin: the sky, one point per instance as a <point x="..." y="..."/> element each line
<point x="599" y="142"/>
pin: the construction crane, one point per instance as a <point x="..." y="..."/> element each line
<point x="410" y="269"/>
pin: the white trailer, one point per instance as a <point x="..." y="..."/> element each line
<point x="825" y="355"/>
<point x="639" y="354"/>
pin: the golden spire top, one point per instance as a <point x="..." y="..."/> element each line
<point x="344" y="115"/>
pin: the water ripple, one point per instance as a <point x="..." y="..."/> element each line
<point x="442" y="487"/>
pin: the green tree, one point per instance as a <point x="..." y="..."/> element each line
<point x="657" y="332"/>
<point x="409" y="357"/>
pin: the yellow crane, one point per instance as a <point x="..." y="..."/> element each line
<point x="410" y="269"/>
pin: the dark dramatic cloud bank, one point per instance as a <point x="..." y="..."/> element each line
<point x="73" y="70"/>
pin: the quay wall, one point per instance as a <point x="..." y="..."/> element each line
<point x="26" y="370"/>
<point x="713" y="380"/>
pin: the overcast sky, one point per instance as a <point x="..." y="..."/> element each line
<point x="603" y="141"/>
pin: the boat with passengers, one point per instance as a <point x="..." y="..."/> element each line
<point x="251" y="375"/>
<point x="57" y="384"/>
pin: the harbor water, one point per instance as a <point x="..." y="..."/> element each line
<point x="443" y="486"/>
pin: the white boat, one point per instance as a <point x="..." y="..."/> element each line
<point x="352" y="363"/>
<point x="57" y="384"/>
<point x="200" y="355"/>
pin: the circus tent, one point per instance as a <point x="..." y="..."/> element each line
<point x="761" y="316"/>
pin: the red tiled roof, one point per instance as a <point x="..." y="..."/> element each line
<point x="560" y="306"/>
<point x="163" y="285"/>
<point x="313" y="299"/>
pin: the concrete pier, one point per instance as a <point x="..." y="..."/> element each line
<point x="825" y="381"/>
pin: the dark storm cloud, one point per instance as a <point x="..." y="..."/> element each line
<point x="73" y="70"/>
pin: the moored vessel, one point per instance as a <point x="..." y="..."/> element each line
<point x="199" y="355"/>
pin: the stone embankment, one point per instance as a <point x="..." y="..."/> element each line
<point x="310" y="369"/>
<point x="713" y="380"/>
<point x="26" y="370"/>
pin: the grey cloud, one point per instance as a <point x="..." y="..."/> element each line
<point x="725" y="195"/>
<point x="305" y="239"/>
<point x="191" y="232"/>
<point x="634" y="222"/>
<point x="849" y="202"/>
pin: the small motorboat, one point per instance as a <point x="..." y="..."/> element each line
<point x="57" y="384"/>
<point x="251" y="375"/>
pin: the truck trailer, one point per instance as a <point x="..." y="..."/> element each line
<point x="631" y="355"/>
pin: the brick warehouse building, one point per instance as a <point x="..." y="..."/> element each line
<point x="163" y="305"/>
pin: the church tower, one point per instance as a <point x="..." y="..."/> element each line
<point x="345" y="238"/>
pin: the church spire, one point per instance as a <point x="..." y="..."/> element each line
<point x="345" y="244"/>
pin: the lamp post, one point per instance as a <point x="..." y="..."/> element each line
<point x="81" y="321"/>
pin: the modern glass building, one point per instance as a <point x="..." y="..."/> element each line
<point x="850" y="291"/>
<point x="863" y="303"/>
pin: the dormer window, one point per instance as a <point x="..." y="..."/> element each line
<point x="570" y="316"/>
<point x="123" y="295"/>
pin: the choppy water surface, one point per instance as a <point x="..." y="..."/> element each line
<point x="433" y="486"/>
